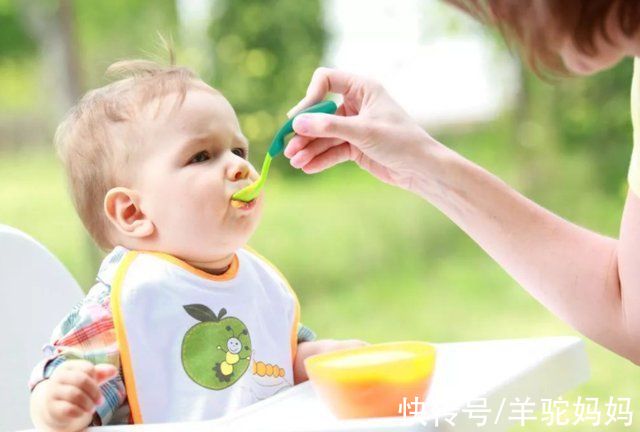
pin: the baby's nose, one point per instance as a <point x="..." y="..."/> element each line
<point x="242" y="173"/>
<point x="238" y="171"/>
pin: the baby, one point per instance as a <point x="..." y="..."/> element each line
<point x="184" y="322"/>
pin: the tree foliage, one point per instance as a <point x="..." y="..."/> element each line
<point x="112" y="30"/>
<point x="15" y="40"/>
<point x="592" y="115"/>
<point x="264" y="52"/>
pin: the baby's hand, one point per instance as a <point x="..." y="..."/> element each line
<point x="67" y="401"/>
<point x="307" y="349"/>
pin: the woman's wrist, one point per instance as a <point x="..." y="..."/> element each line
<point x="429" y="168"/>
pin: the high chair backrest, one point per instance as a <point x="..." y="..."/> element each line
<point x="36" y="292"/>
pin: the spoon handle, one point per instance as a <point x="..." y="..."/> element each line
<point x="277" y="145"/>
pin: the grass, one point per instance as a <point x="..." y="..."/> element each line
<point x="369" y="261"/>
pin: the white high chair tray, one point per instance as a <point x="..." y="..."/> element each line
<point x="497" y="372"/>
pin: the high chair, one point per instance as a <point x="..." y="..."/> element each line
<point x="36" y="292"/>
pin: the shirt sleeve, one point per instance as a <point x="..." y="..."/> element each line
<point x="634" y="168"/>
<point x="305" y="334"/>
<point x="87" y="333"/>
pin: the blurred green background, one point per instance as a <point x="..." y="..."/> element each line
<point x="369" y="262"/>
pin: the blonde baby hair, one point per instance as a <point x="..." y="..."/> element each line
<point x="98" y="137"/>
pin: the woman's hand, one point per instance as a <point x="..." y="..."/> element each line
<point x="370" y="128"/>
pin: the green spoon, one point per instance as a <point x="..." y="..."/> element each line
<point x="277" y="146"/>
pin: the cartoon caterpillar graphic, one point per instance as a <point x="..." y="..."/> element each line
<point x="262" y="369"/>
<point x="234" y="346"/>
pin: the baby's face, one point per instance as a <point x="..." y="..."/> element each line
<point x="193" y="160"/>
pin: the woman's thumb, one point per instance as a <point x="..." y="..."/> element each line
<point x="327" y="126"/>
<point x="104" y="372"/>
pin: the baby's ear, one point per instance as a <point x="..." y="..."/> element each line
<point x="123" y="210"/>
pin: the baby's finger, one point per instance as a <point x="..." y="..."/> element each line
<point x="313" y="149"/>
<point x="353" y="343"/>
<point x="77" y="397"/>
<point x="66" y="410"/>
<point x="78" y="365"/>
<point x="85" y="382"/>
<point x="331" y="157"/>
<point x="104" y="372"/>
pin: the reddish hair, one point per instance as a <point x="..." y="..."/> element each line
<point x="535" y="25"/>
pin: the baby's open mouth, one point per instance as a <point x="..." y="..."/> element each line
<point x="243" y="205"/>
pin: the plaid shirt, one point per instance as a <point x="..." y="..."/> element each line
<point x="88" y="333"/>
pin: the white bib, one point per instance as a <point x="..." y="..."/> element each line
<point x="196" y="346"/>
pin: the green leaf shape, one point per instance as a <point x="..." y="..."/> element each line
<point x="202" y="313"/>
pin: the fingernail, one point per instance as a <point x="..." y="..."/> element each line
<point x="294" y="161"/>
<point x="293" y="110"/>
<point x="287" y="152"/>
<point x="301" y="124"/>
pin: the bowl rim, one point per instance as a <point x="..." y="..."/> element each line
<point x="420" y="364"/>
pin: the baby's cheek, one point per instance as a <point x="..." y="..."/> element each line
<point x="253" y="173"/>
<point x="258" y="209"/>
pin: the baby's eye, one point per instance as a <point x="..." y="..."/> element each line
<point x="239" y="151"/>
<point x="201" y="156"/>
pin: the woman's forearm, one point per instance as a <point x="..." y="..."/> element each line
<point x="629" y="271"/>
<point x="589" y="280"/>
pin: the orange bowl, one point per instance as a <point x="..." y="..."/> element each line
<point x="371" y="381"/>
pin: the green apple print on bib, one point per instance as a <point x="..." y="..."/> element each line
<point x="216" y="352"/>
